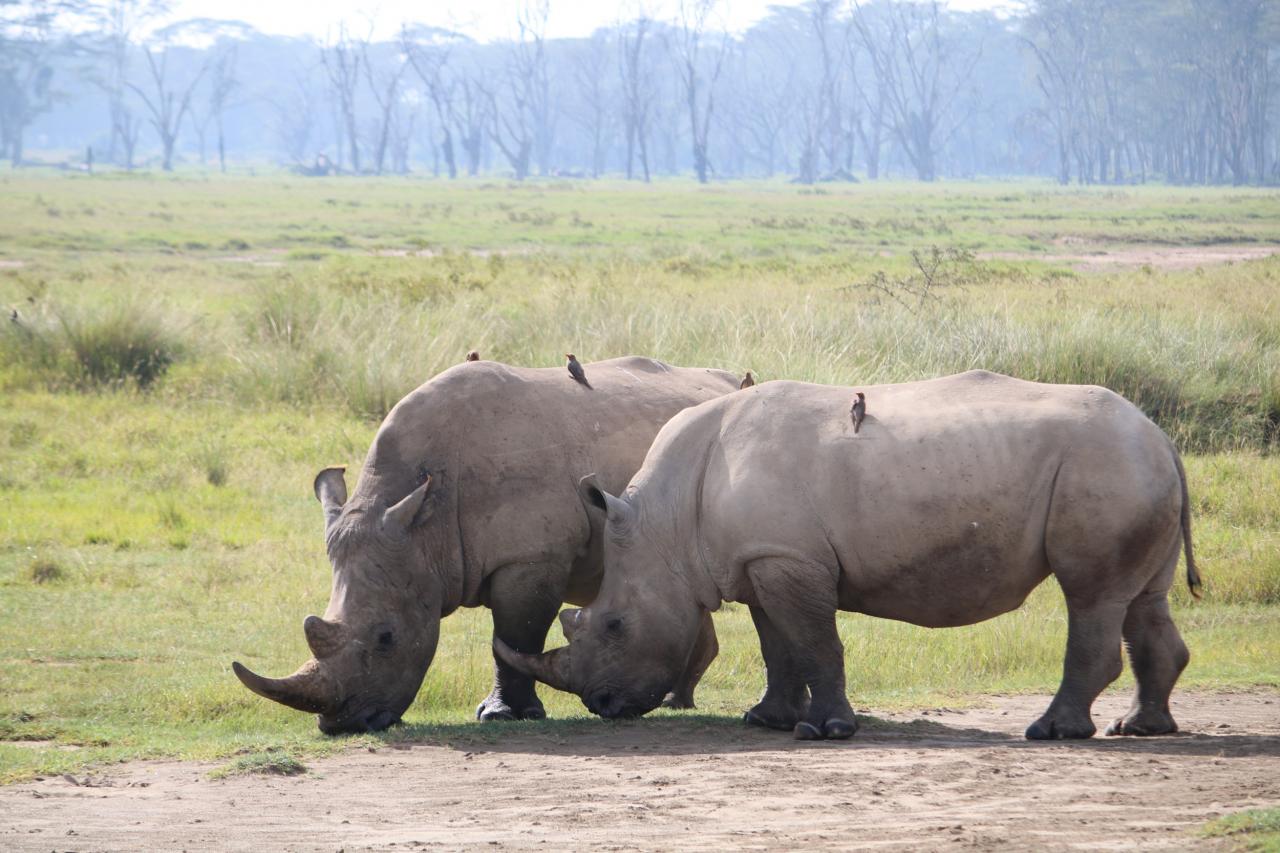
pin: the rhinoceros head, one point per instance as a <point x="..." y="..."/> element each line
<point x="629" y="646"/>
<point x="378" y="636"/>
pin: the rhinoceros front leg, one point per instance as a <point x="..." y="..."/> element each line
<point x="786" y="698"/>
<point x="704" y="652"/>
<point x="800" y="601"/>
<point x="524" y="600"/>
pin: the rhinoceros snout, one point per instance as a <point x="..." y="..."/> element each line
<point x="370" y="721"/>
<point x="611" y="706"/>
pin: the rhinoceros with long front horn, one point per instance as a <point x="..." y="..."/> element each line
<point x="468" y="497"/>
<point x="954" y="500"/>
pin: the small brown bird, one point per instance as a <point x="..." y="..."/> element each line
<point x="474" y="355"/>
<point x="575" y="370"/>
<point x="859" y="411"/>
<point x="747" y="381"/>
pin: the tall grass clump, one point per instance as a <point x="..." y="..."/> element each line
<point x="363" y="351"/>
<point x="118" y="344"/>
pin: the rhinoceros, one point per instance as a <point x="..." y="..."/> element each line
<point x="956" y="498"/>
<point x="468" y="497"/>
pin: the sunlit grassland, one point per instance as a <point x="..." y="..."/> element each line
<point x="149" y="537"/>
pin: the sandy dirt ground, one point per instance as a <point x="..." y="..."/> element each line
<point x="1093" y="258"/>
<point x="932" y="779"/>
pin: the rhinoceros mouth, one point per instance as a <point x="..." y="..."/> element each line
<point x="372" y="720"/>
<point x="611" y="706"/>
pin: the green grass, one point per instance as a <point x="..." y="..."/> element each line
<point x="1254" y="830"/>
<point x="155" y="529"/>
<point x="270" y="762"/>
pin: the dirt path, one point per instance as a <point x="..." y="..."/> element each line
<point x="1095" y="258"/>
<point x="935" y="779"/>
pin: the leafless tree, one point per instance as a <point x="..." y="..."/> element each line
<point x="342" y="59"/>
<point x="638" y="90"/>
<point x="167" y="106"/>
<point x="295" y="120"/>
<point x="222" y="85"/>
<point x="522" y="122"/>
<point x="596" y="97"/>
<point x="428" y="54"/>
<point x="923" y="73"/>
<point x="120" y="21"/>
<point x="699" y="65"/>
<point x="384" y="82"/>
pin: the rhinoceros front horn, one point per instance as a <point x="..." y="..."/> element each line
<point x="551" y="668"/>
<point x="305" y="690"/>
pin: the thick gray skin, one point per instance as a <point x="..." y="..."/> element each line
<point x="498" y="524"/>
<point x="956" y="499"/>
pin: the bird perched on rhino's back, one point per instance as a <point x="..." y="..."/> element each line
<point x="858" y="411"/>
<point x="747" y="381"/>
<point x="474" y="355"/>
<point x="575" y="370"/>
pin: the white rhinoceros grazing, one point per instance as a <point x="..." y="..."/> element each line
<point x="468" y="497"/>
<point x="956" y="498"/>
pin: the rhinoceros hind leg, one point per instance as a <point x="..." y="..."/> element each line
<point x="1158" y="655"/>
<point x="1092" y="662"/>
<point x="704" y="652"/>
<point x="799" y="600"/>
<point x="786" y="697"/>
<point x="524" y="604"/>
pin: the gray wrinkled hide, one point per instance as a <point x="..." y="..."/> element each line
<point x="956" y="499"/>
<point x="500" y="525"/>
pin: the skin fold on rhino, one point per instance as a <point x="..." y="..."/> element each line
<point x="467" y="498"/>
<point x="956" y="498"/>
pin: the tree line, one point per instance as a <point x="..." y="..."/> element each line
<point x="1088" y="91"/>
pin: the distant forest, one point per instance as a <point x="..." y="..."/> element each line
<point x="1083" y="91"/>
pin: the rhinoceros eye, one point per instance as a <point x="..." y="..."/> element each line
<point x="613" y="624"/>
<point x="385" y="639"/>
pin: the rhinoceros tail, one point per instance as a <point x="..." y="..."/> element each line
<point x="1193" y="576"/>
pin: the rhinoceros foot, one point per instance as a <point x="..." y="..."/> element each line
<point x="1061" y="727"/>
<point x="771" y="719"/>
<point x="831" y="730"/>
<point x="493" y="708"/>
<point x="1143" y="723"/>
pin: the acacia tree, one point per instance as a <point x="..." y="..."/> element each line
<point x="699" y="73"/>
<point x="167" y="106"/>
<point x="29" y="43"/>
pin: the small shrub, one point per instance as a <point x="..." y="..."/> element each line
<point x="171" y="516"/>
<point x="211" y="458"/>
<point x="43" y="570"/>
<point x="270" y="762"/>
<point x="121" y="344"/>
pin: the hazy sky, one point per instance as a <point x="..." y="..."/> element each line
<point x="482" y="19"/>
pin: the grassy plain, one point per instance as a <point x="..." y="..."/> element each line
<point x="189" y="351"/>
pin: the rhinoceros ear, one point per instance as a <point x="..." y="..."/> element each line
<point x="597" y="499"/>
<point x="408" y="512"/>
<point x="331" y="490"/>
